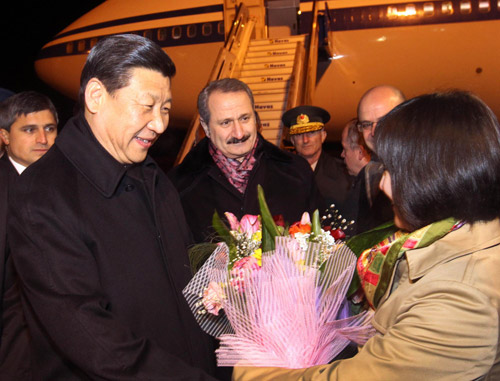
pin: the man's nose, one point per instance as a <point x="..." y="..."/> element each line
<point x="305" y="138"/>
<point x="238" y="131"/>
<point x="42" y="137"/>
<point x="159" y="122"/>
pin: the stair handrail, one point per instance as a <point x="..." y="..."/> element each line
<point x="329" y="34"/>
<point x="228" y="61"/>
<point x="312" y="58"/>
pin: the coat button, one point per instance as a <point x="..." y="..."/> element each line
<point x="129" y="188"/>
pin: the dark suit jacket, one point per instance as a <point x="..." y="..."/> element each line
<point x="100" y="248"/>
<point x="332" y="180"/>
<point x="287" y="180"/>
<point x="15" y="359"/>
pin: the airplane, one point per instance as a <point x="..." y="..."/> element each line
<point x="418" y="46"/>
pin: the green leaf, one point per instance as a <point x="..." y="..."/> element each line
<point x="269" y="229"/>
<point x="221" y="229"/>
<point x="315" y="224"/>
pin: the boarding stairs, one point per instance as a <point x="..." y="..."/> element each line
<point x="267" y="70"/>
<point x="281" y="72"/>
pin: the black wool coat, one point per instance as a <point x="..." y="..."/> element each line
<point x="286" y="178"/>
<point x="332" y="180"/>
<point x="100" y="249"/>
<point x="15" y="358"/>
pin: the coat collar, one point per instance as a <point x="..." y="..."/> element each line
<point x="463" y="241"/>
<point x="78" y="143"/>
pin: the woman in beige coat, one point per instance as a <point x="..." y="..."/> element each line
<point x="435" y="285"/>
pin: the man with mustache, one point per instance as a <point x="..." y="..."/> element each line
<point x="222" y="172"/>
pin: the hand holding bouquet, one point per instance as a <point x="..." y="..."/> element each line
<point x="275" y="296"/>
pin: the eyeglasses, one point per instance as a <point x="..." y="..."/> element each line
<point x="364" y="125"/>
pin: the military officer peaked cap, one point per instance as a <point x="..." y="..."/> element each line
<point x="304" y="119"/>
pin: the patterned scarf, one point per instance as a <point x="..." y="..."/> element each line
<point x="237" y="173"/>
<point x="375" y="266"/>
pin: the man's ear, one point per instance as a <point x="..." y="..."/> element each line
<point x="4" y="135"/>
<point x="323" y="135"/>
<point x="205" y="128"/>
<point x="95" y="93"/>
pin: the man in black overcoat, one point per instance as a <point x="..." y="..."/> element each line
<point x="28" y="127"/>
<point x="99" y="237"/>
<point x="222" y="171"/>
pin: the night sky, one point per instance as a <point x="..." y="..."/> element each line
<point x="26" y="26"/>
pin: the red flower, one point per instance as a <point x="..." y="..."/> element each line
<point x="279" y="220"/>
<point x="335" y="233"/>
<point x="299" y="228"/>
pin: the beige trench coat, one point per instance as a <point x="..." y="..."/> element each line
<point x="439" y="319"/>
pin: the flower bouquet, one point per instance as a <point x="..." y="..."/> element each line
<point x="275" y="295"/>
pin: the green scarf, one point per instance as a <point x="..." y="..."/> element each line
<point x="375" y="266"/>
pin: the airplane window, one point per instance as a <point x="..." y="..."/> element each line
<point x="428" y="9"/>
<point x="220" y="27"/>
<point x="484" y="6"/>
<point x="162" y="34"/>
<point x="148" y="33"/>
<point x="69" y="48"/>
<point x="465" y="7"/>
<point x="206" y="29"/>
<point x="81" y="45"/>
<point x="411" y="10"/>
<point x="447" y="8"/>
<point x="191" y="31"/>
<point x="93" y="41"/>
<point x="176" y="32"/>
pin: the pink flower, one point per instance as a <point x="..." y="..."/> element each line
<point x="249" y="262"/>
<point x="239" y="270"/>
<point x="249" y="223"/>
<point x="212" y="298"/>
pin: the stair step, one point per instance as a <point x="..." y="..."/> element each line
<point x="271" y="53"/>
<point x="265" y="79"/>
<point x="269" y="115"/>
<point x="265" y="48"/>
<point x="270" y="106"/>
<point x="269" y="59"/>
<point x="265" y="72"/>
<point x="271" y="124"/>
<point x="272" y="97"/>
<point x="269" y="91"/>
<point x="267" y="86"/>
<point x="276" y="41"/>
<point x="267" y="65"/>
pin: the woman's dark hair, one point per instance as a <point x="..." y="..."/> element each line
<point x="112" y="59"/>
<point x="442" y="151"/>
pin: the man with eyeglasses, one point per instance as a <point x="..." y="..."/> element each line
<point x="374" y="104"/>
<point x="372" y="208"/>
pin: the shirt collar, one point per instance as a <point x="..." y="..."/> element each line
<point x="19" y="167"/>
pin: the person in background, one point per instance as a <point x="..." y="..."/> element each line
<point x="307" y="133"/>
<point x="28" y="122"/>
<point x="222" y="171"/>
<point x="28" y="128"/>
<point x="99" y="237"/>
